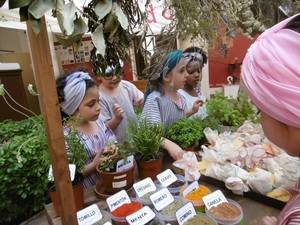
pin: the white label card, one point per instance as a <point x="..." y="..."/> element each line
<point x="214" y="199"/>
<point x="89" y="215"/>
<point x="185" y="213"/>
<point x="144" y="186"/>
<point x="193" y="186"/>
<point x="72" y="169"/>
<point x="107" y="223"/>
<point x="141" y="217"/>
<point x="161" y="199"/>
<point x="166" y="178"/>
<point x="117" y="200"/>
<point x="125" y="164"/>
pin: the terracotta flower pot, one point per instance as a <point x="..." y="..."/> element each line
<point x="112" y="182"/>
<point x="150" y="168"/>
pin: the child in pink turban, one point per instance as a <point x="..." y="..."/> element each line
<point x="271" y="75"/>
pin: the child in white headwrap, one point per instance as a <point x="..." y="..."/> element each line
<point x="79" y="97"/>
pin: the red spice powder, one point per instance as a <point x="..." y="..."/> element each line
<point x="127" y="209"/>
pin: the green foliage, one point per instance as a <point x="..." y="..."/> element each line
<point x="24" y="166"/>
<point x="231" y="112"/>
<point x="145" y="139"/>
<point x="186" y="132"/>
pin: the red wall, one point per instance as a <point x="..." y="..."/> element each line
<point x="218" y="63"/>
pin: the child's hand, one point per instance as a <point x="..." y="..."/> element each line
<point x="98" y="159"/>
<point x="118" y="112"/>
<point x="197" y="104"/>
<point x="269" y="220"/>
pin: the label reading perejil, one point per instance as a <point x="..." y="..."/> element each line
<point x="72" y="169"/>
<point x="123" y="165"/>
<point x="166" y="178"/>
<point x="89" y="215"/>
<point x="214" y="199"/>
<point x="144" y="186"/>
<point x="185" y="213"/>
<point x="117" y="200"/>
<point x="193" y="186"/>
<point x="161" y="199"/>
<point x="141" y="217"/>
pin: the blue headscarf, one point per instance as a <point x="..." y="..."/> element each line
<point x="171" y="60"/>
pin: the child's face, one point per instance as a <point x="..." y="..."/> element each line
<point x="176" y="78"/>
<point x="89" y="108"/>
<point x="194" y="70"/>
<point x="110" y="82"/>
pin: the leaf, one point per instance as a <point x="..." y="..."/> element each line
<point x="102" y="8"/>
<point x="80" y="26"/>
<point x="2" y="3"/>
<point x="39" y="7"/>
<point x="12" y="4"/>
<point x="121" y="16"/>
<point x="36" y="25"/>
<point x="98" y="40"/>
<point x="23" y="12"/>
<point x="68" y="40"/>
<point x="66" y="16"/>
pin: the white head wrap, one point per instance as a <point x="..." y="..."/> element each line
<point x="74" y="91"/>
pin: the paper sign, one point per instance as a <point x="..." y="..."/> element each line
<point x="144" y="186"/>
<point x="117" y="200"/>
<point x="72" y="169"/>
<point x="185" y="213"/>
<point x="166" y="178"/>
<point x="214" y="199"/>
<point x="193" y="186"/>
<point x="125" y="164"/>
<point x="107" y="223"/>
<point x="161" y="199"/>
<point x="141" y="217"/>
<point x="89" y="215"/>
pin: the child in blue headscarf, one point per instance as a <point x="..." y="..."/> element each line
<point x="163" y="103"/>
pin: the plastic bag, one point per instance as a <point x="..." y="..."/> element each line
<point x="260" y="181"/>
<point x="236" y="185"/>
<point x="189" y="164"/>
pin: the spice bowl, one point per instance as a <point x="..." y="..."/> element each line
<point x="105" y="218"/>
<point x="175" y="187"/>
<point x="230" y="213"/>
<point x="168" y="214"/>
<point x="119" y="214"/>
<point x="201" y="219"/>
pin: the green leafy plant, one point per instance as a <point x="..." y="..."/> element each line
<point x="145" y="139"/>
<point x="186" y="132"/>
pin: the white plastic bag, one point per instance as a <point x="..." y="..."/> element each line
<point x="189" y="164"/>
<point x="260" y="181"/>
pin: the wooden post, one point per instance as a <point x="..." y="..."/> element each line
<point x="45" y="81"/>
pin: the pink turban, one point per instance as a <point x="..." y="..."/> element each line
<point x="271" y="73"/>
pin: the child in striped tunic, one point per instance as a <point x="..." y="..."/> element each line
<point x="271" y="76"/>
<point x="79" y="97"/>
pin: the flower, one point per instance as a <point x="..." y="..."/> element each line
<point x="31" y="91"/>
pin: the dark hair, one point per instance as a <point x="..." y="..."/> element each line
<point x="294" y="24"/>
<point x="199" y="50"/>
<point x="61" y="83"/>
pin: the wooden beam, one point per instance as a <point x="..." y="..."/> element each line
<point x="45" y="81"/>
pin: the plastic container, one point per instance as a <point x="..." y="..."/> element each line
<point x="105" y="218"/>
<point x="170" y="219"/>
<point x="224" y="221"/>
<point x="145" y="199"/>
<point x="196" y="220"/>
<point x="177" y="185"/>
<point x="122" y="220"/>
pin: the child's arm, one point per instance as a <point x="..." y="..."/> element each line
<point x="174" y="150"/>
<point x="114" y="122"/>
<point x="91" y="167"/>
<point x="197" y="104"/>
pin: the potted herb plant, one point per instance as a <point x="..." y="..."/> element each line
<point x="186" y="132"/>
<point x="145" y="139"/>
<point x="111" y="178"/>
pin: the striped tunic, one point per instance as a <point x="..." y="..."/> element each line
<point x="93" y="143"/>
<point x="159" y="108"/>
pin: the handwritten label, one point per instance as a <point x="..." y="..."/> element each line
<point x="166" y="178"/>
<point x="72" y="169"/>
<point x="117" y="200"/>
<point x="193" y="186"/>
<point x="141" y="217"/>
<point x="89" y="215"/>
<point x="161" y="199"/>
<point x="144" y="186"/>
<point x="119" y="184"/>
<point x="123" y="165"/>
<point x="214" y="199"/>
<point x="185" y="213"/>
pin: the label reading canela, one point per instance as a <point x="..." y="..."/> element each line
<point x="144" y="186"/>
<point x="89" y="215"/>
<point x="161" y="199"/>
<point x="185" y="213"/>
<point x="123" y="165"/>
<point x="141" y="217"/>
<point x="117" y="200"/>
<point x="72" y="169"/>
<point x="214" y="199"/>
<point x="166" y="178"/>
<point x="193" y="186"/>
